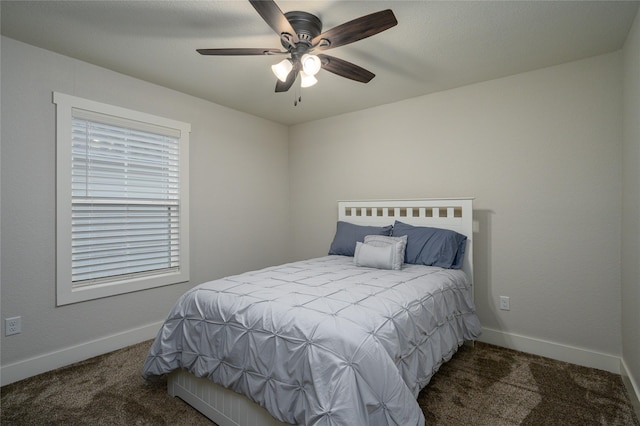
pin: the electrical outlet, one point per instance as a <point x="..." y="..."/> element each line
<point x="12" y="326"/>
<point x="504" y="303"/>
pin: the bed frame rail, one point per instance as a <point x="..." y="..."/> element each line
<point x="219" y="404"/>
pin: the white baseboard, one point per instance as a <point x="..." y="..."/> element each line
<point x="50" y="361"/>
<point x="633" y="388"/>
<point x="574" y="355"/>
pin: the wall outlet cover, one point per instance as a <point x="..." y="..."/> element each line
<point x="504" y="303"/>
<point x="12" y="326"/>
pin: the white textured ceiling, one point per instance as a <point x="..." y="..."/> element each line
<point x="436" y="45"/>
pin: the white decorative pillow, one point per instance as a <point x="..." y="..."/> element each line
<point x="381" y="252"/>
<point x="399" y="245"/>
<point x="373" y="257"/>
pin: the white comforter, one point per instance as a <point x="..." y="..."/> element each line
<point x="321" y="342"/>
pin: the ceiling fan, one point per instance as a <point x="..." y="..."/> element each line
<point x="301" y="34"/>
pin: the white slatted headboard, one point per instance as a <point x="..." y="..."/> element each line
<point x="447" y="213"/>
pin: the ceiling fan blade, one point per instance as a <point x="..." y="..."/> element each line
<point x="345" y="69"/>
<point x="239" y="51"/>
<point x="283" y="86"/>
<point x="273" y="16"/>
<point x="355" y="30"/>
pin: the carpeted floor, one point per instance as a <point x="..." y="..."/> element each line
<point x="488" y="385"/>
<point x="484" y="385"/>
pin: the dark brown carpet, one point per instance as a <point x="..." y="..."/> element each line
<point x="484" y="385"/>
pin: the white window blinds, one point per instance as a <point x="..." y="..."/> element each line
<point x="125" y="187"/>
<point x="122" y="200"/>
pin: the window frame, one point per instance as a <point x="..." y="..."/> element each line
<point x="66" y="292"/>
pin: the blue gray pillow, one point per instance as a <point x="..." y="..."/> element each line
<point x="348" y="234"/>
<point x="432" y="246"/>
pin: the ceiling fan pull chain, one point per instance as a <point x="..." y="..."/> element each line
<point x="296" y="97"/>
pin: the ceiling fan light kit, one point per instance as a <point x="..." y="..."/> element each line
<point x="301" y="34"/>
<point x="282" y="69"/>
<point x="307" y="80"/>
<point x="310" y="64"/>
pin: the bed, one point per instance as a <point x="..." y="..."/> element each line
<point x="345" y="339"/>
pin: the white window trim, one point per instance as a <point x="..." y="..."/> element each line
<point x="65" y="292"/>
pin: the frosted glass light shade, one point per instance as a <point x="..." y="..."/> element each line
<point x="310" y="64"/>
<point x="282" y="69"/>
<point x="307" y="80"/>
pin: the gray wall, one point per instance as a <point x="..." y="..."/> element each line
<point x="239" y="205"/>
<point x="541" y="154"/>
<point x="631" y="211"/>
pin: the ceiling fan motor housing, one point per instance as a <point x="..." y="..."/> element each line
<point x="307" y="26"/>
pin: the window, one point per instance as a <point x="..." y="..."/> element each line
<point x="122" y="200"/>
